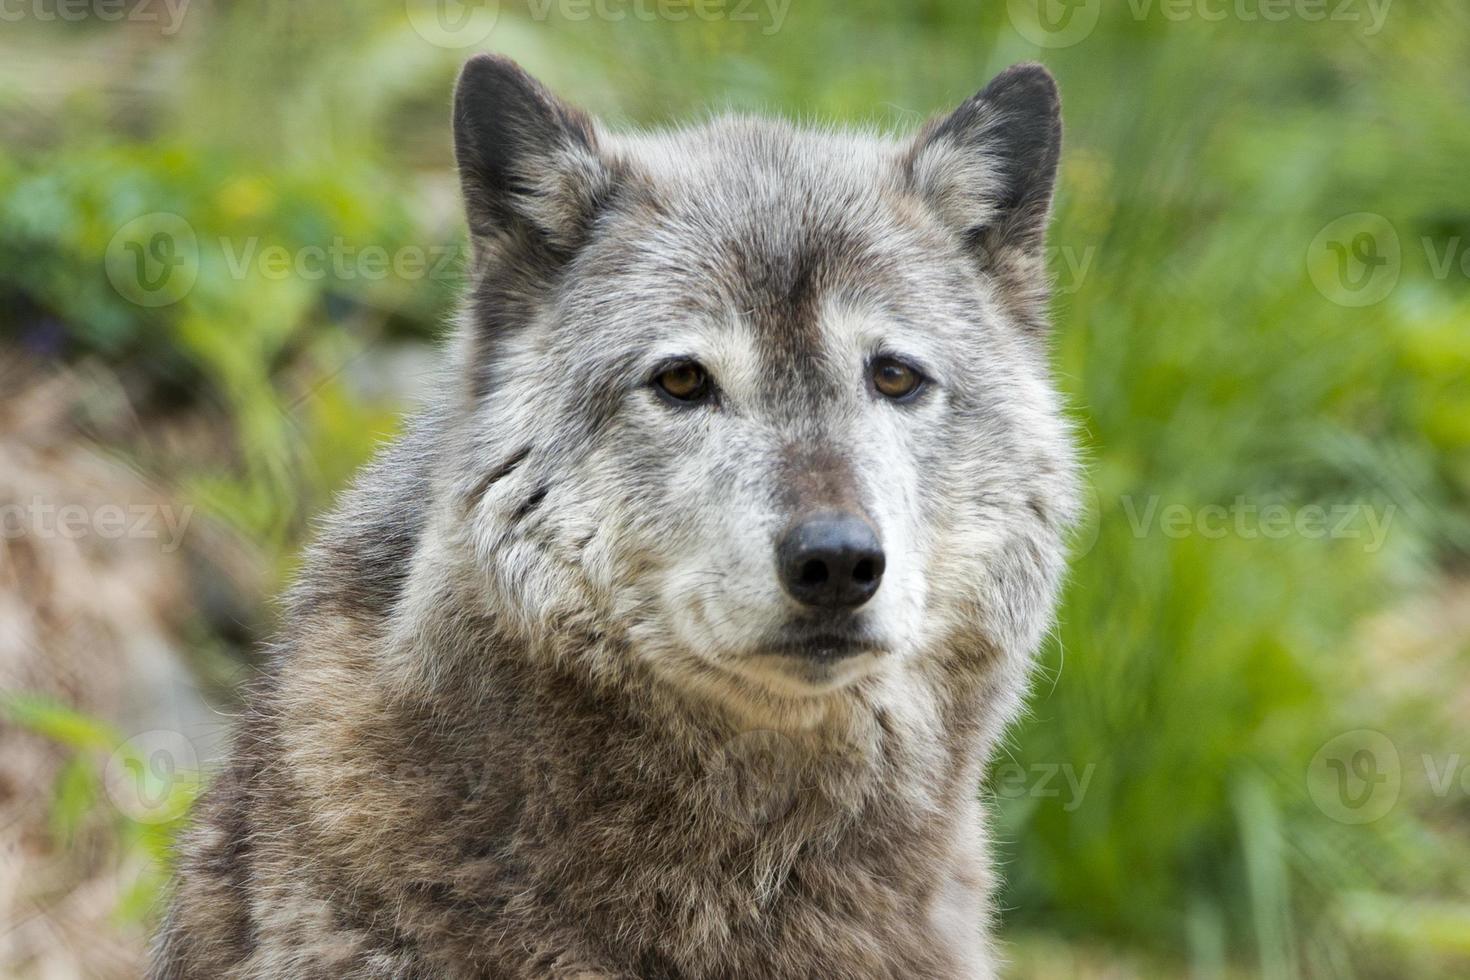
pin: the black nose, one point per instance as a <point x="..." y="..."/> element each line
<point x="830" y="560"/>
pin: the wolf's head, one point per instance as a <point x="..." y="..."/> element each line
<point x="766" y="405"/>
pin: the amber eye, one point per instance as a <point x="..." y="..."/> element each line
<point x="895" y="379"/>
<point x="685" y="382"/>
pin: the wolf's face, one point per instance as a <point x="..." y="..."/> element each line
<point x="771" y="401"/>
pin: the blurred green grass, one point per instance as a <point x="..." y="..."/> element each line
<point x="1194" y="678"/>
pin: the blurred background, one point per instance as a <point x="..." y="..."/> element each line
<point x="230" y="241"/>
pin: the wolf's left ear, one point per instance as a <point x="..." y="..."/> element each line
<point x="529" y="164"/>
<point x="989" y="167"/>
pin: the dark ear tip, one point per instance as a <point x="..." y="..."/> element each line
<point x="488" y="63"/>
<point x="487" y="71"/>
<point x="1028" y="85"/>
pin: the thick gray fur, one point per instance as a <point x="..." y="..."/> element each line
<point x="537" y="710"/>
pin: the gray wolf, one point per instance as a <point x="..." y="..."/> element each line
<point x="672" y="639"/>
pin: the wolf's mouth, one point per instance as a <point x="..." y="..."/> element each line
<point x="811" y="658"/>
<point x="823" y="647"/>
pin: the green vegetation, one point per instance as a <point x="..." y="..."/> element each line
<point x="1208" y="340"/>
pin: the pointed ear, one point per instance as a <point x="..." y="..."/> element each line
<point x="989" y="167"/>
<point x="528" y="163"/>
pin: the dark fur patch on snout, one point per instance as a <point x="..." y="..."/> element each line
<point x="819" y="479"/>
<point x="531" y="503"/>
<point x="499" y="473"/>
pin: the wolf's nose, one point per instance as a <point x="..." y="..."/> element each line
<point x="830" y="560"/>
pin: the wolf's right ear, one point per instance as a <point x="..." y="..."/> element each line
<point x="529" y="164"/>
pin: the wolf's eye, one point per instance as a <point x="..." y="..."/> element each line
<point x="685" y="382"/>
<point x="894" y="379"/>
